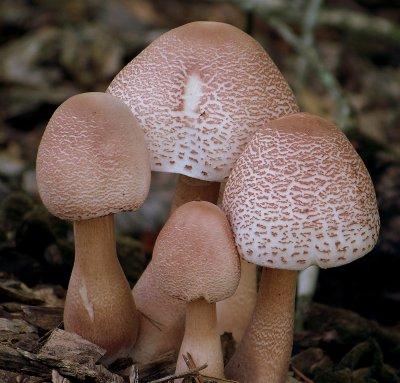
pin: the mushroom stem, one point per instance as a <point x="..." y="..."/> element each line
<point x="191" y="189"/>
<point x="98" y="290"/>
<point x="234" y="313"/>
<point x="161" y="321"/>
<point x="264" y="353"/>
<point x="306" y="286"/>
<point x="202" y="339"/>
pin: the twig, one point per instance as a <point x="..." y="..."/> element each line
<point x="308" y="26"/>
<point x="301" y="375"/>
<point x="161" y="366"/>
<point x="188" y="373"/>
<point x="277" y="16"/>
<point x="349" y="20"/>
<point x="362" y="24"/>
<point x="190" y="363"/>
<point x="155" y="323"/>
<point x="203" y="378"/>
<point x="134" y="374"/>
<point x="326" y="77"/>
<point x="209" y="379"/>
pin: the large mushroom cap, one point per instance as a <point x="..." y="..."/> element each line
<point x="300" y="195"/>
<point x="92" y="159"/>
<point x="199" y="91"/>
<point x="195" y="256"/>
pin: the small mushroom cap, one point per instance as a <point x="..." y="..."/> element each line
<point x="92" y="159"/>
<point x="199" y="92"/>
<point x="300" y="195"/>
<point x="195" y="255"/>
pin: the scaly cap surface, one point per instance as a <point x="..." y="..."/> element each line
<point x="195" y="256"/>
<point x="300" y="195"/>
<point x="92" y="159"/>
<point x="199" y="92"/>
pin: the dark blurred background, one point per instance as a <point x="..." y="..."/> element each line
<point x="342" y="59"/>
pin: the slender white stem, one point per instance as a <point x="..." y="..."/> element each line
<point x="202" y="339"/>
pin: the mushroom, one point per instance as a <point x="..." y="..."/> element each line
<point x="93" y="162"/>
<point x="298" y="195"/>
<point x="200" y="91"/>
<point x="195" y="260"/>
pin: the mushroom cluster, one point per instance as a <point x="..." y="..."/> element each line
<point x="205" y="101"/>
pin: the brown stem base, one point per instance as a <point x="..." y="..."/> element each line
<point x="99" y="305"/>
<point x="190" y="189"/>
<point x="263" y="355"/>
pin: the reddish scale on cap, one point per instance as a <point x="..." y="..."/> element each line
<point x="92" y="160"/>
<point x="199" y="91"/>
<point x="195" y="256"/>
<point x="300" y="195"/>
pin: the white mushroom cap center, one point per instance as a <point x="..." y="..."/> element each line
<point x="199" y="92"/>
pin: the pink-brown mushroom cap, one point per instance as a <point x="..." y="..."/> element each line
<point x="199" y="91"/>
<point x="195" y="256"/>
<point x="92" y="159"/>
<point x="300" y="195"/>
